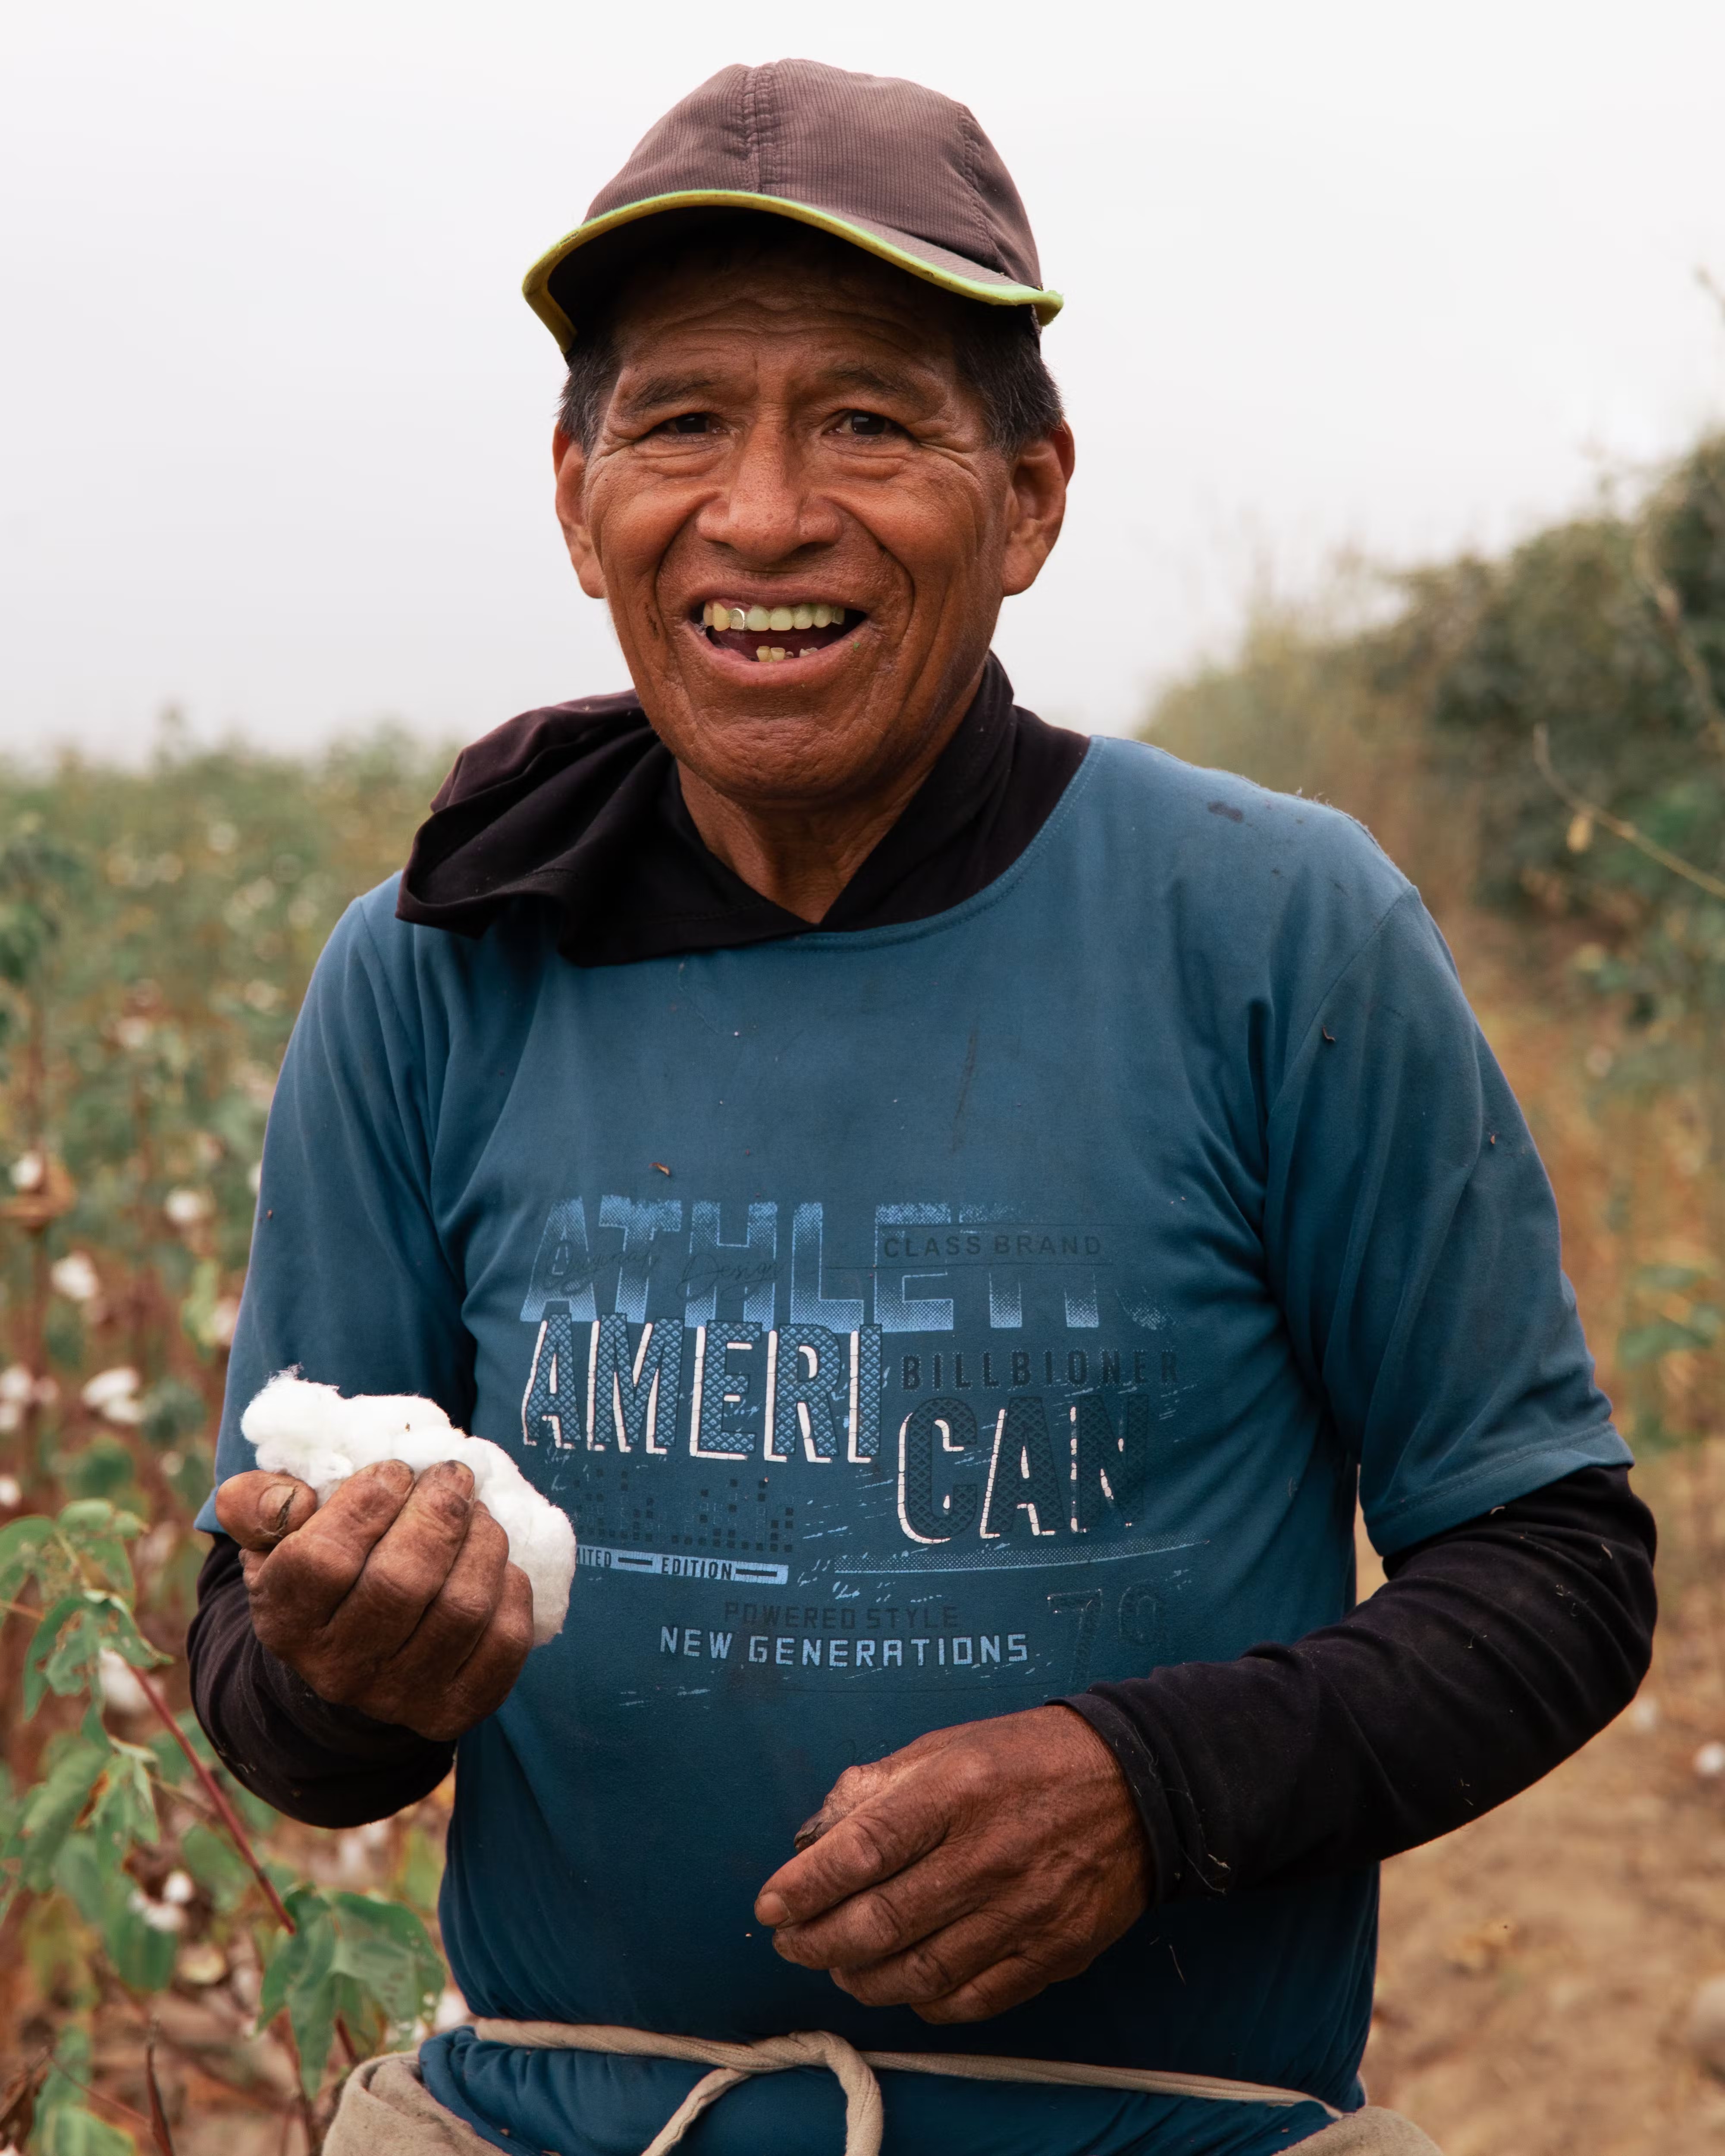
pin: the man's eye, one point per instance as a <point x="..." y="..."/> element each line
<point x="866" y="423"/>
<point x="691" y="423"/>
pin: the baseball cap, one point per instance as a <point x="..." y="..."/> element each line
<point x="897" y="170"/>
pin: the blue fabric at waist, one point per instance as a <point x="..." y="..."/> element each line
<point x="583" y="2103"/>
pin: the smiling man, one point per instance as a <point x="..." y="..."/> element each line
<point x="804" y="588"/>
<point x="957" y="1213"/>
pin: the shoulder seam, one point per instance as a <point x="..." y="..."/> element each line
<point x="381" y="969"/>
<point x="379" y="974"/>
<point x="1402" y="898"/>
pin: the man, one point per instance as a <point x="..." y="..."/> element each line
<point x="955" y="1212"/>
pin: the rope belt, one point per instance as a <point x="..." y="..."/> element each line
<point x="733" y="2063"/>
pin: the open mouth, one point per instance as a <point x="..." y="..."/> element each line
<point x="770" y="635"/>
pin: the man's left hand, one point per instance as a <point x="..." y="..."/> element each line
<point x="960" y="1876"/>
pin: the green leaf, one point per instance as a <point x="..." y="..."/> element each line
<point x="421" y="1869"/>
<point x="71" y="2052"/>
<point x="193" y="1478"/>
<point x="22" y="1542"/>
<point x="311" y="2011"/>
<point x="103" y="1468"/>
<point x="198" y="1313"/>
<point x="99" y="1533"/>
<point x="54" y="1804"/>
<point x="172" y="1412"/>
<point x="191" y="1729"/>
<point x="71" y="2130"/>
<point x="43" y="1647"/>
<point x="90" y="1620"/>
<point x="301" y="1975"/>
<point x="301" y="1956"/>
<point x="87" y="1516"/>
<point x="359" y="2011"/>
<point x="216" y="1865"/>
<point x="83" y="1877"/>
<point x="1654" y="1437"/>
<point x="71" y="1667"/>
<point x="171" y="1763"/>
<point x="89" y="1872"/>
<point x="384" y="1947"/>
<point x="1649" y="1343"/>
<point x="125" y="1810"/>
<point x="124" y="1637"/>
<point x="1669" y="1279"/>
<point x="254" y="1812"/>
<point x="143" y="1958"/>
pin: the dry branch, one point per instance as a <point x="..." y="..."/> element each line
<point x="212" y="1789"/>
<point x="1618" y="826"/>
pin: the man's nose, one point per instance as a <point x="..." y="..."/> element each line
<point x="767" y="508"/>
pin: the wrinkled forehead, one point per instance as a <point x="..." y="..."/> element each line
<point x="794" y="292"/>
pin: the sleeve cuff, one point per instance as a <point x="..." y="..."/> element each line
<point x="1137" y="1763"/>
<point x="356" y="1739"/>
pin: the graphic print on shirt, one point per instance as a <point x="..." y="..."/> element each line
<point x="865" y="1439"/>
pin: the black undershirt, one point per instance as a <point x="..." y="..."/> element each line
<point x="1495" y="1650"/>
<point x="579" y="806"/>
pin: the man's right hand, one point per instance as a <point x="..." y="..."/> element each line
<point x="396" y="1597"/>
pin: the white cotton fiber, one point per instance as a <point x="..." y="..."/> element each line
<point x="312" y="1432"/>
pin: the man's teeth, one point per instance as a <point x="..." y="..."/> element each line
<point x="717" y="614"/>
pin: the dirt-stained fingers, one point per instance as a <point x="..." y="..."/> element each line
<point x="407" y="1566"/>
<point x="396" y="1597"/>
<point x="460" y="1613"/>
<point x="484" y="1680"/>
<point x="867" y="1833"/>
<point x="259" y="1509"/>
<point x="961" y="1874"/>
<point x="298" y="1586"/>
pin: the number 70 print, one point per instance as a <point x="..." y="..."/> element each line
<point x="1139" y="1618"/>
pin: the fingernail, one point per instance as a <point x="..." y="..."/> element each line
<point x="456" y="1471"/>
<point x="396" y="1473"/>
<point x="771" y="1909"/>
<point x="275" y="1505"/>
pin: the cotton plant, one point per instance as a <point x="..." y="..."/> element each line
<point x="153" y="1848"/>
<point x="141" y="1026"/>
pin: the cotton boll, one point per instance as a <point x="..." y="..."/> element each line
<point x="74" y="1276"/>
<point x="119" y="1687"/>
<point x="310" y="1431"/>
<point x="296" y="1429"/>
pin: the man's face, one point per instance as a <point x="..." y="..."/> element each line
<point x="794" y="434"/>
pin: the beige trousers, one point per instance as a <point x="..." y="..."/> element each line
<point x="387" y="2110"/>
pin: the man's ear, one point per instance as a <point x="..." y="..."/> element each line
<point x="569" y="461"/>
<point x="1038" y="507"/>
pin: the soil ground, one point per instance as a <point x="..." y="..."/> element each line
<point x="1536" y="1968"/>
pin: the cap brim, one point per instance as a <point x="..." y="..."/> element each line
<point x="917" y="257"/>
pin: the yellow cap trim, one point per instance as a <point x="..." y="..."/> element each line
<point x="536" y="286"/>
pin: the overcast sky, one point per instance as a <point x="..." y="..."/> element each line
<point x="273" y="419"/>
